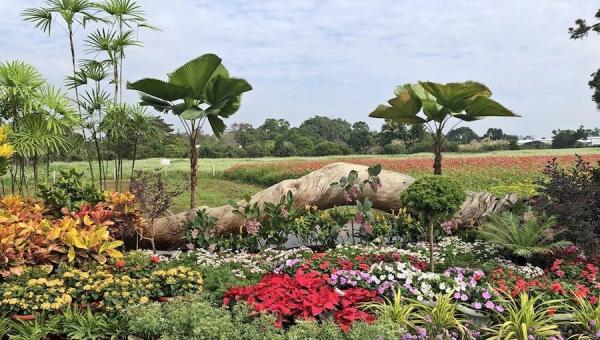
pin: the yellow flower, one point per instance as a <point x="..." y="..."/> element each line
<point x="144" y="300"/>
<point x="6" y="150"/>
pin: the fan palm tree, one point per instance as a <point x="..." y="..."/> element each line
<point x="440" y="103"/>
<point x="32" y="138"/>
<point x="199" y="91"/>
<point x="522" y="238"/>
<point x="142" y="126"/>
<point x="19" y="85"/>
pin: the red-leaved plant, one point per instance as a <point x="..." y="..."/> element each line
<point x="306" y="295"/>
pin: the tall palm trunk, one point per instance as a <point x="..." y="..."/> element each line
<point x="87" y="148"/>
<point x="101" y="173"/>
<point x="135" y="144"/>
<point x="437" y="151"/>
<point x="193" y="167"/>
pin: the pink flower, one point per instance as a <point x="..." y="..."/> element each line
<point x="252" y="226"/>
<point x="368" y="228"/>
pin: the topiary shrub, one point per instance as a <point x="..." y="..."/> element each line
<point x="433" y="198"/>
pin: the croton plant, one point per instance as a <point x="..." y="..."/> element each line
<point x="28" y="236"/>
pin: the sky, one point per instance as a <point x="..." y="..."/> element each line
<point x="341" y="58"/>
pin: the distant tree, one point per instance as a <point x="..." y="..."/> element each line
<point x="568" y="138"/>
<point x="462" y="135"/>
<point x="361" y="137"/>
<point x="333" y="130"/>
<point x="330" y="148"/>
<point x="393" y="131"/>
<point x="275" y="127"/>
<point x="238" y="130"/>
<point x="494" y="134"/>
<point x="284" y="148"/>
<point x="580" y="31"/>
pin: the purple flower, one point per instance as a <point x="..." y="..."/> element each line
<point x="489" y="305"/>
<point x="476" y="305"/>
<point x="464" y="297"/>
<point x="499" y="308"/>
<point x="486" y="295"/>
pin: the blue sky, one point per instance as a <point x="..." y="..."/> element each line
<point x="340" y="58"/>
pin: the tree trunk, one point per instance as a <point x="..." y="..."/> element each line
<point x="437" y="151"/>
<point x="87" y="148"/>
<point x="313" y="189"/>
<point x="193" y="168"/>
<point x="98" y="159"/>
<point x="135" y="144"/>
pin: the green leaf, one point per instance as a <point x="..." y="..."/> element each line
<point x="483" y="106"/>
<point x="159" y="89"/>
<point x="396" y="114"/>
<point x="217" y="125"/>
<point x="222" y="89"/>
<point x="191" y="114"/>
<point x="196" y="73"/>
<point x="456" y="97"/>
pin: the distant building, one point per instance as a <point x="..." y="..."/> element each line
<point x="532" y="142"/>
<point x="590" y="141"/>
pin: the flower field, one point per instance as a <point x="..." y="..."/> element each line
<point x="497" y="174"/>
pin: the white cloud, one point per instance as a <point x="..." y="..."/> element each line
<point x="342" y="57"/>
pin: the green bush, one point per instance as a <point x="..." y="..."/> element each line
<point x="68" y="192"/>
<point x="194" y="318"/>
<point x="436" y="196"/>
<point x="381" y="330"/>
<point x="313" y="330"/>
<point x="433" y="197"/>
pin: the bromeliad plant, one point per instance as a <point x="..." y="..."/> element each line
<point x="523" y="237"/>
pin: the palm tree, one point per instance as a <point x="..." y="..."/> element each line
<point x="523" y="238"/>
<point x="116" y="126"/>
<point x="74" y="13"/>
<point x="440" y="103"/>
<point x="19" y="86"/>
<point x="32" y="138"/>
<point x="111" y="43"/>
<point x="94" y="103"/>
<point x="199" y="91"/>
<point x="142" y="126"/>
<point x="124" y="15"/>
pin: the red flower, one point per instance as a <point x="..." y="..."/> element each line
<point x="154" y="259"/>
<point x="582" y="291"/>
<point x="557" y="288"/>
<point x="593" y="300"/>
<point x="120" y="264"/>
<point x="324" y="265"/>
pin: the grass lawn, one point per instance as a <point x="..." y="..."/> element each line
<point x="214" y="190"/>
